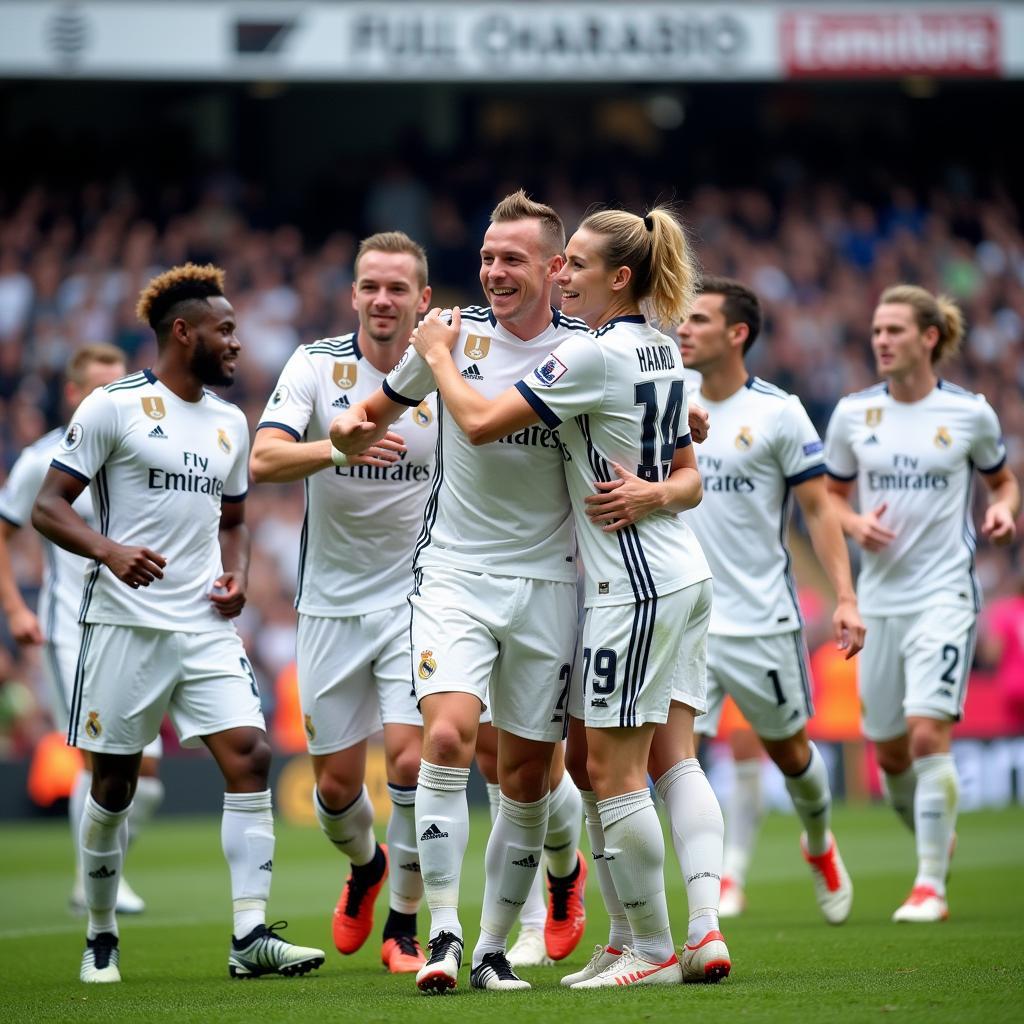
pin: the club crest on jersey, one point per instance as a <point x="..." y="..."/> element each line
<point x="92" y="725"/>
<point x="422" y="416"/>
<point x="477" y="346"/>
<point x="72" y="437"/>
<point x="307" y="724"/>
<point x="744" y="439"/>
<point x="278" y="398"/>
<point x="872" y="417"/>
<point x="345" y="375"/>
<point x="550" y="370"/>
<point x="153" y="407"/>
<point x="943" y="438"/>
<point x="223" y="441"/>
<point x="428" y="666"/>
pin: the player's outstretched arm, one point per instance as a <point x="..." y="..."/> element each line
<point x="21" y="620"/>
<point x="361" y="434"/>
<point x="829" y="545"/>
<point x="278" y="458"/>
<point x="229" y="589"/>
<point x="480" y="419"/>
<point x="1000" y="522"/>
<point x="53" y="517"/>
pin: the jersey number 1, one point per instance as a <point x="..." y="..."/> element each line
<point x="651" y="466"/>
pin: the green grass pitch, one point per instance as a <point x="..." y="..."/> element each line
<point x="788" y="965"/>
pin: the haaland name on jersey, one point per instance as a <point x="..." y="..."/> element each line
<point x="905" y="477"/>
<point x="193" y="480"/>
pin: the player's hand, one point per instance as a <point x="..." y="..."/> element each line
<point x="137" y="567"/>
<point x="432" y="335"/>
<point x="24" y="627"/>
<point x="998" y="525"/>
<point x="228" y="594"/>
<point x="385" y="452"/>
<point x="700" y="423"/>
<point x="352" y="433"/>
<point x="869" y="533"/>
<point x="848" y="627"/>
<point x="621" y="502"/>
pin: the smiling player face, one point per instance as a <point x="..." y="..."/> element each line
<point x="586" y="280"/>
<point x="215" y="352"/>
<point x="515" y="270"/>
<point x="387" y="296"/>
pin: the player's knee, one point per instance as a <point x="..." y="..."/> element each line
<point x="446" y="744"/>
<point x="112" y="792"/>
<point x="336" y="791"/>
<point x="893" y="762"/>
<point x="525" y="782"/>
<point x="576" y="766"/>
<point x="404" y="766"/>
<point x="926" y="739"/>
<point x="249" y="761"/>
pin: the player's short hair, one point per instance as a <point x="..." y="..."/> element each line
<point x="88" y="355"/>
<point x="739" y="304"/>
<point x="655" y="249"/>
<point x="519" y="206"/>
<point x="161" y="300"/>
<point x="938" y="311"/>
<point x="399" y="242"/>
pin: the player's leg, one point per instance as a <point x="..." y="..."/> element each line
<point x="565" y="867"/>
<point x="217" y="703"/>
<point x="340" y="710"/>
<point x="743" y="812"/>
<point x="939" y="648"/>
<point x="403" y="751"/>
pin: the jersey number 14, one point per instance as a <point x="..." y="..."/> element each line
<point x="655" y="459"/>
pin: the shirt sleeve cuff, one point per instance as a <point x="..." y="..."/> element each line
<point x="684" y="441"/>
<point x="56" y="464"/>
<point x="279" y="426"/>
<point x="840" y="476"/>
<point x="538" y="405"/>
<point x="993" y="469"/>
<point x="392" y="394"/>
<point x="808" y="474"/>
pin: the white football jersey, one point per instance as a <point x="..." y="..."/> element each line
<point x="63" y="571"/>
<point x="761" y="444"/>
<point x="361" y="522"/>
<point x="158" y="468"/>
<point x="918" y="458"/>
<point x="622" y="389"/>
<point x="500" y="508"/>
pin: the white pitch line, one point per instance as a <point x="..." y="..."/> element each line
<point x="73" y="927"/>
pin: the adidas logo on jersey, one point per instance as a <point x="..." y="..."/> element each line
<point x="157" y="431"/>
<point x="472" y="372"/>
<point x="102" y="872"/>
<point x="871" y="440"/>
<point x="433" y="833"/>
<point x="267" y="866"/>
<point x="529" y="861"/>
<point x="599" y="702"/>
<point x="341" y="402"/>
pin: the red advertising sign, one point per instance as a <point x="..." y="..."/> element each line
<point x="907" y="42"/>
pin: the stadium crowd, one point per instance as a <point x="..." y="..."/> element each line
<point x="72" y="265"/>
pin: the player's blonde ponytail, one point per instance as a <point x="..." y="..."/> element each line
<point x="655" y="249"/>
<point x="938" y="311"/>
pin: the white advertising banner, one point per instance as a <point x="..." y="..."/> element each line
<point x="478" y="42"/>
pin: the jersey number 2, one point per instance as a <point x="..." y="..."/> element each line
<point x="651" y="466"/>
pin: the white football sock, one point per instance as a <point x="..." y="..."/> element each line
<point x="247" y="839"/>
<point x="634" y="850"/>
<point x="351" y="828"/>
<point x="442" y="830"/>
<point x="405" y="880"/>
<point x="697" y="830"/>
<point x="149" y="795"/>
<point x="743" y="812"/>
<point x="493" y="799"/>
<point x="565" y="821"/>
<point x="102" y="857"/>
<point x="76" y="808"/>
<point x="935" y="807"/>
<point x="619" y="934"/>
<point x="899" y="791"/>
<point x="812" y="798"/>
<point x="510" y="866"/>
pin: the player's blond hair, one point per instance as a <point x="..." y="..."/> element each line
<point x="179" y="284"/>
<point x="938" y="311"/>
<point x="654" y="247"/>
<point x="396" y="242"/>
<point x="519" y="206"/>
<point x="89" y="355"/>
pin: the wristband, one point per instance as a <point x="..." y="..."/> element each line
<point x="339" y="458"/>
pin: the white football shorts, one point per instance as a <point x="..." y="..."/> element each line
<point x="353" y="676"/>
<point x="129" y="677"/>
<point x="507" y="640"/>
<point x="767" y="676"/>
<point x="635" y="659"/>
<point x="60" y="657"/>
<point x="914" y="665"/>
